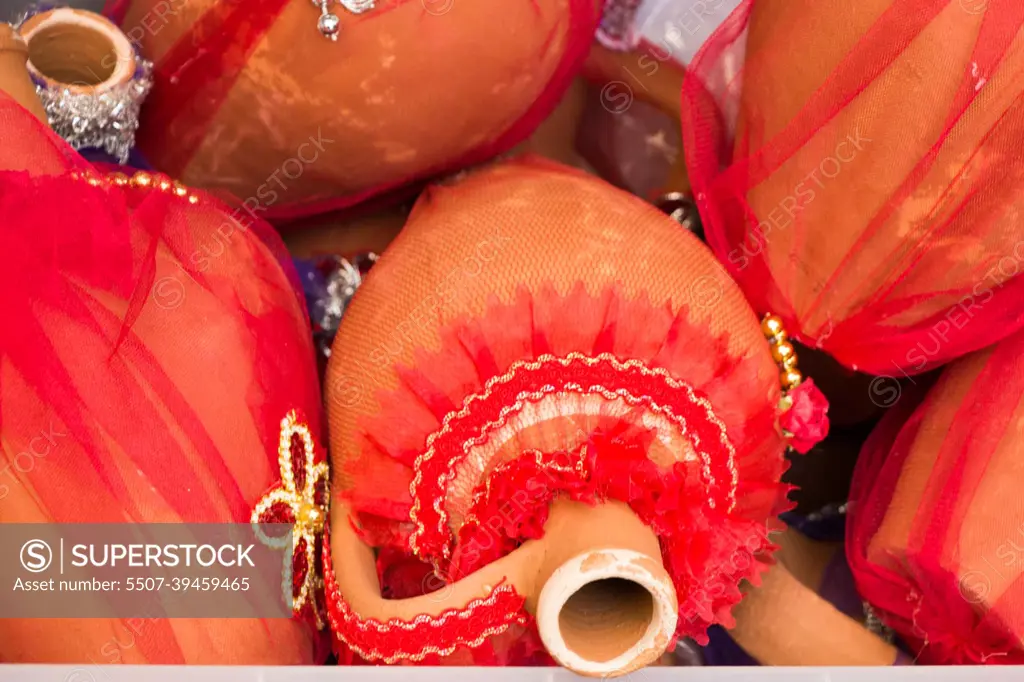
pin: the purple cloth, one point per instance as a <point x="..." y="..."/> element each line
<point x="722" y="650"/>
<point x="839" y="589"/>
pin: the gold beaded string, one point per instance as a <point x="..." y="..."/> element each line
<point x="142" y="180"/>
<point x="784" y="355"/>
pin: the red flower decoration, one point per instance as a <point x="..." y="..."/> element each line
<point x="806" y="420"/>
<point x="302" y="500"/>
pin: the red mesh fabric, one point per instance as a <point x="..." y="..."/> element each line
<point x="857" y="166"/>
<point x="454" y="345"/>
<point x="937" y="529"/>
<point x="251" y="99"/>
<point x="150" y="349"/>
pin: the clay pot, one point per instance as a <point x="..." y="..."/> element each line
<point x="160" y="446"/>
<point x="14" y="79"/>
<point x="346" y="237"/>
<point x="785" y="622"/>
<point x="645" y="73"/>
<point x="471" y="314"/>
<point x="77" y="50"/>
<point x="555" y="138"/>
<point x="410" y="89"/>
<point x="873" y="263"/>
<point x="595" y="583"/>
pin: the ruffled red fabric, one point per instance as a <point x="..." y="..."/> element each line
<point x="159" y="344"/>
<point x="709" y="545"/>
<point x="428" y="639"/>
<point x="857" y="165"/>
<point x="935" y="532"/>
<point x="706" y="554"/>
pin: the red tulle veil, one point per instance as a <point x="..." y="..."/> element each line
<point x="857" y="167"/>
<point x="155" y="343"/>
<point x="936" y="527"/>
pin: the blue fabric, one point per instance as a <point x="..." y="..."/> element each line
<point x="135" y="159"/>
<point x="828" y="527"/>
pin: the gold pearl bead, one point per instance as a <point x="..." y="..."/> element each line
<point x="95" y="182"/>
<point x="791" y="378"/>
<point x="310" y="517"/>
<point x="790" y="362"/>
<point x="193" y="199"/>
<point x="165" y="185"/>
<point x="119" y="179"/>
<point x="142" y="179"/>
<point x="180" y="189"/>
<point x="783" y="350"/>
<point x="771" y="325"/>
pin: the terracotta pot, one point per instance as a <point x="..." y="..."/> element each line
<point x="643" y="74"/>
<point x="595" y="582"/>
<point x="785" y="622"/>
<point x="159" y="446"/>
<point x="481" y="391"/>
<point x="848" y="199"/>
<point x="77" y="50"/>
<point x="14" y="79"/>
<point x="555" y="138"/>
<point x="410" y="89"/>
<point x="346" y="237"/>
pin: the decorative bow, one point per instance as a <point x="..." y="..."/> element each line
<point x="303" y="500"/>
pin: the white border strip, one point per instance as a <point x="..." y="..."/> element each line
<point x="128" y="673"/>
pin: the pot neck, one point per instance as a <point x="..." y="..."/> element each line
<point x="603" y="602"/>
<point x="14" y="75"/>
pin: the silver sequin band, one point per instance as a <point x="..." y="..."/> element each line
<point x="106" y="121"/>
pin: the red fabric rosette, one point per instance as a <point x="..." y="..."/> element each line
<point x="152" y="345"/>
<point x="857" y="167"/>
<point x="936" y="534"/>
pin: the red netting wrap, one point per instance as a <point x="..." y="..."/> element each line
<point x="150" y="349"/>
<point x="250" y="98"/>
<point x="534" y="334"/>
<point x="937" y="528"/>
<point x="857" y="167"/>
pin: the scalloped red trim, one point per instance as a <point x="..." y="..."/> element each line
<point x="432" y="540"/>
<point x="425" y="636"/>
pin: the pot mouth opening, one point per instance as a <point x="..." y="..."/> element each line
<point x="607" y="612"/>
<point x="606" y="618"/>
<point x="79" y="52"/>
